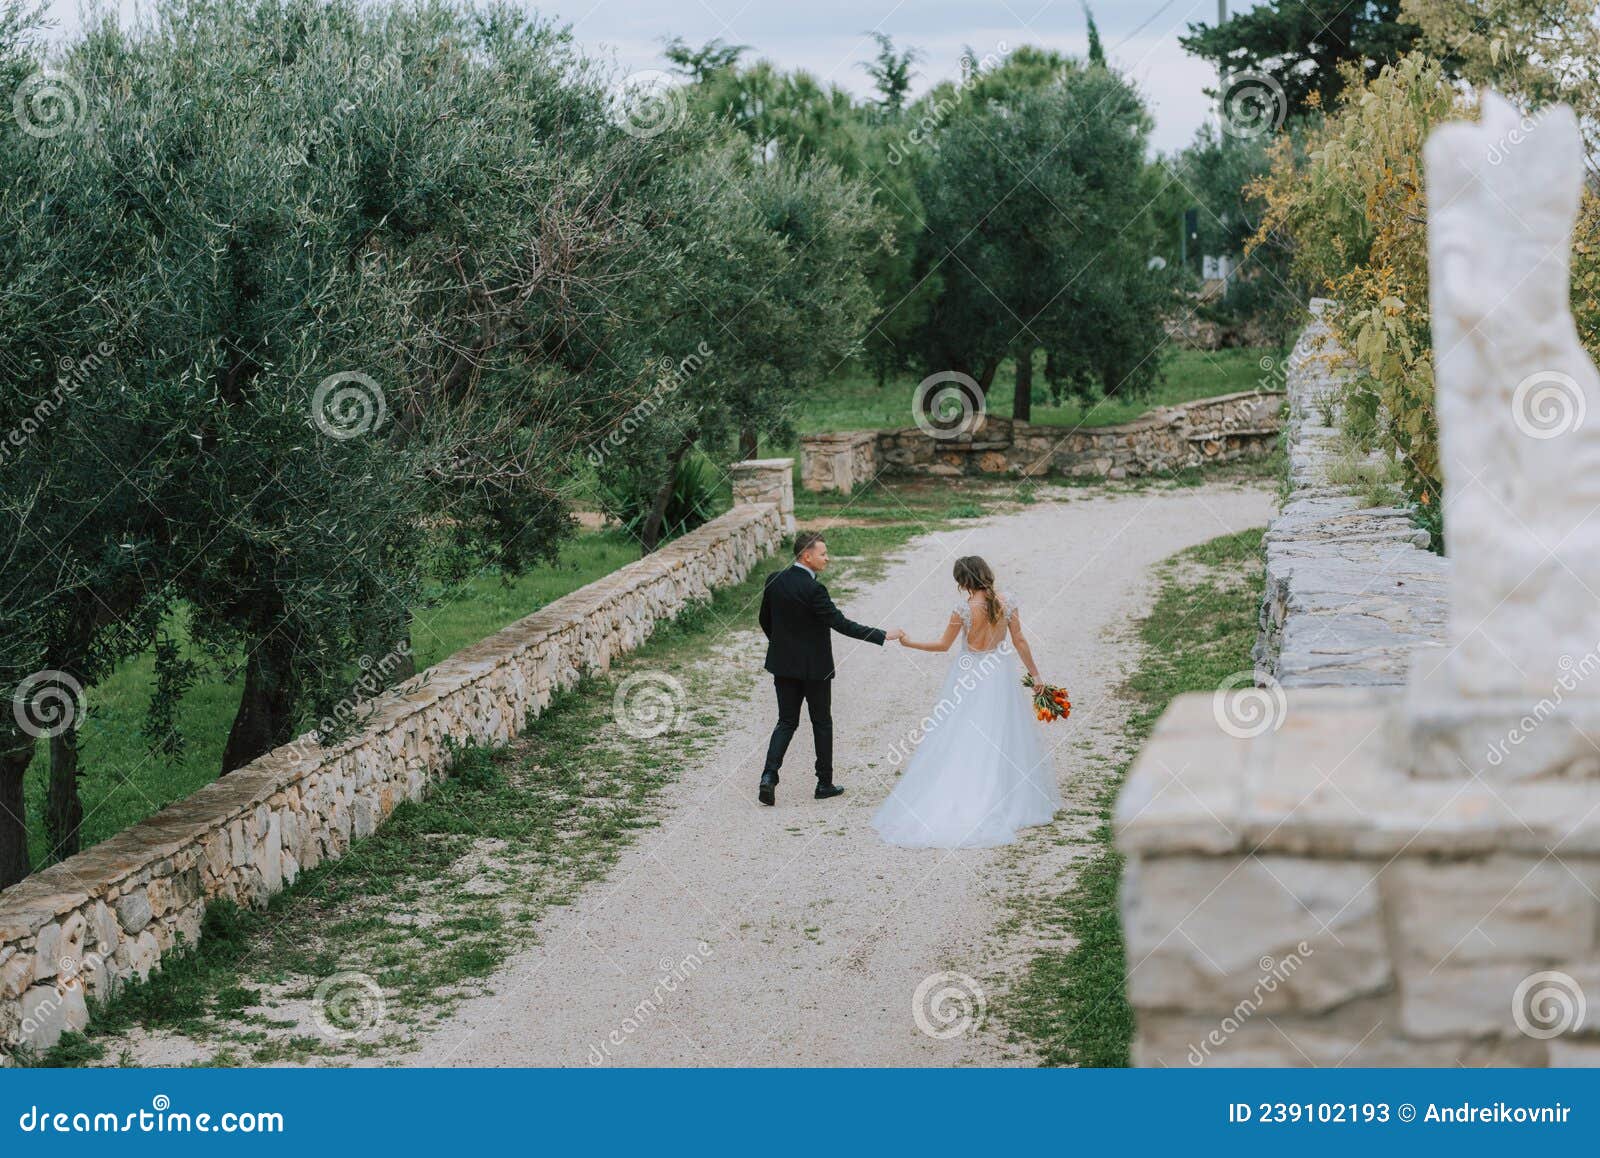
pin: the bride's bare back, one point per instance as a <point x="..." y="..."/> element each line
<point x="984" y="634"/>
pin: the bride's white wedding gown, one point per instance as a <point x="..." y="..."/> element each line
<point x="981" y="770"/>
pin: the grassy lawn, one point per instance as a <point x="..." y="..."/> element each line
<point x="854" y="400"/>
<point x="123" y="782"/>
<point x="1072" y="1004"/>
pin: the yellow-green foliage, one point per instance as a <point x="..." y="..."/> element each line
<point x="1351" y="201"/>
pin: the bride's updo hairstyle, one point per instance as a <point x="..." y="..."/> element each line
<point x="973" y="574"/>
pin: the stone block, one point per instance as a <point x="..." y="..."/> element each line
<point x="15" y="976"/>
<point x="1278" y="932"/>
<point x="1493" y="909"/>
<point x="46" y="952"/>
<point x="134" y="911"/>
<point x="48" y="1011"/>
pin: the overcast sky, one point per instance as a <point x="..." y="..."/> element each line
<point x="827" y="37"/>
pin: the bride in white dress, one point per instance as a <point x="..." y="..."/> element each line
<point x="981" y="770"/>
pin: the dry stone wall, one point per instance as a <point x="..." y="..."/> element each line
<point x="1351" y="591"/>
<point x="77" y="929"/>
<point x="1231" y="426"/>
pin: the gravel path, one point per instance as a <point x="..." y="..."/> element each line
<point x="737" y="935"/>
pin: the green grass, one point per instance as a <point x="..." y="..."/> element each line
<point x="1071" y="1004"/>
<point x="854" y="401"/>
<point x="122" y="782"/>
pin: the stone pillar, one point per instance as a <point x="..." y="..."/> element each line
<point x="766" y="480"/>
<point x="838" y="461"/>
<point x="1350" y="876"/>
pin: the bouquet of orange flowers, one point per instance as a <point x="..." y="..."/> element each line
<point x="1049" y="702"/>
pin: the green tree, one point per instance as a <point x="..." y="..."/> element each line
<point x="343" y="282"/>
<point x="744" y="324"/>
<point x="1030" y="221"/>
<point x="699" y="63"/>
<point x="1302" y="45"/>
<point x="1537" y="52"/>
<point x="891" y="72"/>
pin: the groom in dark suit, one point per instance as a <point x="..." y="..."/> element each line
<point x="797" y="616"/>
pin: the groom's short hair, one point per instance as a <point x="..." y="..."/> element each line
<point x="805" y="540"/>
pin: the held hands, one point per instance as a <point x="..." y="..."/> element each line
<point x="894" y="633"/>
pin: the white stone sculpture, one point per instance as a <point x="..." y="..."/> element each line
<point x="1519" y="429"/>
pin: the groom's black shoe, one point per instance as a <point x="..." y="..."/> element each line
<point x="768" y="792"/>
<point x="826" y="790"/>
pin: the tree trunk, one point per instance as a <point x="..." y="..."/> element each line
<point x="986" y="375"/>
<point x="748" y="446"/>
<point x="16" y="753"/>
<point x="266" y="709"/>
<point x="651" y="535"/>
<point x="63" y="813"/>
<point x="1022" y="399"/>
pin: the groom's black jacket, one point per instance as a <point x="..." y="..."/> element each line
<point x="797" y="616"/>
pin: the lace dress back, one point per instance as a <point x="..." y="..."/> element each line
<point x="978" y="634"/>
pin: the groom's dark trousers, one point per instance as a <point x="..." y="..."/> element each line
<point x="798" y="618"/>
<point x="816" y="695"/>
